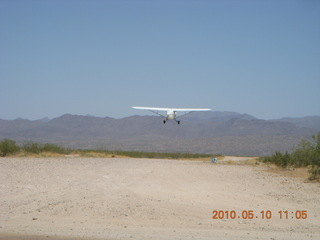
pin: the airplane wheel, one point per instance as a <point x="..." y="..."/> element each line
<point x="164" y="121"/>
<point x="178" y="122"/>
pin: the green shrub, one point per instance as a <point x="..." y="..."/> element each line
<point x="303" y="155"/>
<point x="306" y="154"/>
<point x="55" y="149"/>
<point x="32" y="147"/>
<point x="315" y="161"/>
<point x="315" y="173"/>
<point x="8" y="146"/>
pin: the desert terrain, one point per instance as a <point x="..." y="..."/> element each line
<point x="123" y="198"/>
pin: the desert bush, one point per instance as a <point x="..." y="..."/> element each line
<point x="315" y="173"/>
<point x="303" y="155"/>
<point x="8" y="146"/>
<point x="55" y="149"/>
<point x="32" y="147"/>
<point x="306" y="154"/>
<point x="315" y="161"/>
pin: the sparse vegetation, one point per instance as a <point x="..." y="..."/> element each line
<point x="32" y="147"/>
<point x="134" y="154"/>
<point x="56" y="149"/>
<point x="9" y="147"/>
<point x="306" y="154"/>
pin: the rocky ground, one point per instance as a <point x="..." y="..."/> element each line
<point x="118" y="198"/>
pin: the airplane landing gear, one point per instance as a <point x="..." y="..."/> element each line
<point x="164" y="121"/>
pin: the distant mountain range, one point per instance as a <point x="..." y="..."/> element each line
<point x="205" y="132"/>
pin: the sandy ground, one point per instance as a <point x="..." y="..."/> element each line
<point x="113" y="198"/>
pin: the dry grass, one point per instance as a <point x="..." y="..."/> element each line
<point x="234" y="160"/>
<point x="93" y="154"/>
<point x="301" y="173"/>
<point x="37" y="155"/>
<point x="110" y="154"/>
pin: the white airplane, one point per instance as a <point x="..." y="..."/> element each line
<point x="172" y="112"/>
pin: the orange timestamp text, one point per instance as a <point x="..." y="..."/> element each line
<point x="264" y="214"/>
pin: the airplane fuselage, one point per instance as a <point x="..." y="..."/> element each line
<point x="171" y="115"/>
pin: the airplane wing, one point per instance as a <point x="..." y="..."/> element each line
<point x="190" y="109"/>
<point x="152" y="108"/>
<point x="173" y="109"/>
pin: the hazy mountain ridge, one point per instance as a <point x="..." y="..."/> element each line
<point x="211" y="132"/>
<point x="308" y="122"/>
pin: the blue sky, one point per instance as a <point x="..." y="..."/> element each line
<point x="102" y="57"/>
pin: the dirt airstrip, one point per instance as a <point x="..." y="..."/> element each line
<point x="119" y="198"/>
